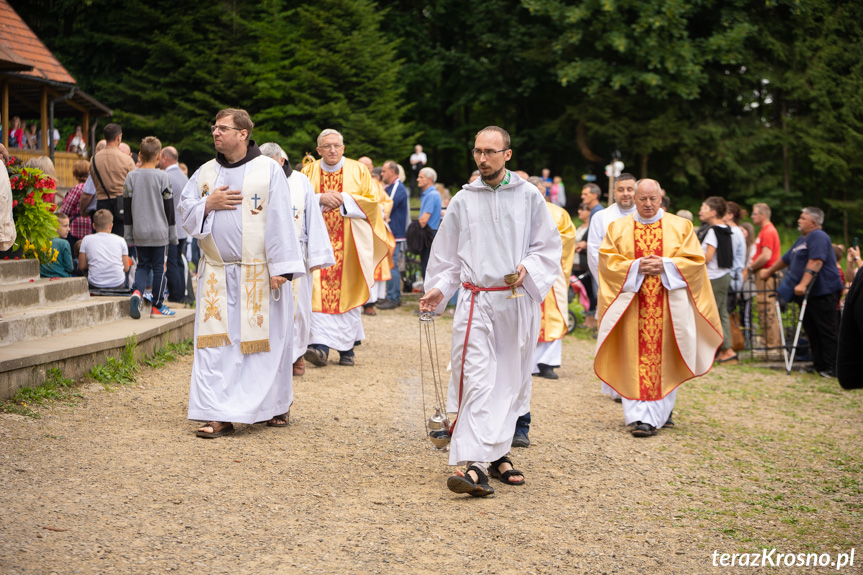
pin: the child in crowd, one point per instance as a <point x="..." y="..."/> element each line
<point x="62" y="267"/>
<point x="148" y="207"/>
<point x="104" y="254"/>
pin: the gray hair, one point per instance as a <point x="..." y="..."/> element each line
<point x="273" y="150"/>
<point x="763" y="209"/>
<point x="429" y="173"/>
<point x="814" y="213"/>
<point x="536" y="181"/>
<point x="392" y="165"/>
<point x="328" y="132"/>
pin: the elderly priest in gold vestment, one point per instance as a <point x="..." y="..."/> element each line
<point x="658" y="320"/>
<point x="358" y="235"/>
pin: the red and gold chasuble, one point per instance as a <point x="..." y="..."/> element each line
<point x="651" y="300"/>
<point x="651" y="341"/>
<point x="359" y="244"/>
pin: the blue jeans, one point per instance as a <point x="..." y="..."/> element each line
<point x="150" y="259"/>
<point x="176" y="277"/>
<point x="522" y="424"/>
<point x="394" y="284"/>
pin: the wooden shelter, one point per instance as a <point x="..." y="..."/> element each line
<point x="33" y="83"/>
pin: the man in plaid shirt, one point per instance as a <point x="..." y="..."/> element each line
<point x="80" y="225"/>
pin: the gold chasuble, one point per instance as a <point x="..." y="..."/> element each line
<point x="382" y="272"/>
<point x="652" y="341"/>
<point x="554" y="308"/>
<point x="359" y="244"/>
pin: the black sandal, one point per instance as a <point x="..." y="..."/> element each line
<point x="644" y="430"/>
<point x="494" y="471"/>
<point x="465" y="484"/>
<point x="284" y="419"/>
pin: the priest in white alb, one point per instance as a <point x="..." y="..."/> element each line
<point x="314" y="245"/>
<point x="496" y="226"/>
<point x="624" y="205"/>
<point x="358" y="235"/>
<point x="239" y="207"/>
<point x="658" y="323"/>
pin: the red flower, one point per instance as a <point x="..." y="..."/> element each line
<point x="14" y="203"/>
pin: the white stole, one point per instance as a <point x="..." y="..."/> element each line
<point x="255" y="277"/>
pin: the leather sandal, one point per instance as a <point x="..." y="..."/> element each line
<point x="465" y="483"/>
<point x="494" y="471"/>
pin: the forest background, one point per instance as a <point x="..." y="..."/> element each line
<point x="752" y="100"/>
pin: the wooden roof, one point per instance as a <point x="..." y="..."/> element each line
<point x="19" y="45"/>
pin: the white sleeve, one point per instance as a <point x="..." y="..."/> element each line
<point x="671" y="277"/>
<point x="634" y="278"/>
<point x="595" y="235"/>
<point x="350" y="208"/>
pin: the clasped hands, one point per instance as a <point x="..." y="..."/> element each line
<point x="330" y="201"/>
<point x="650" y="265"/>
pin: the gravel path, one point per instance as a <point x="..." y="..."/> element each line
<point x="118" y="483"/>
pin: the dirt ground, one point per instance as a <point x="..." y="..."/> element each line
<point x="118" y="483"/>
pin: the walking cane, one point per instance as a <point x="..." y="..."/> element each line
<point x="789" y="362"/>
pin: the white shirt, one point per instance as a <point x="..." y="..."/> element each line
<point x="714" y="272"/>
<point x="105" y="259"/>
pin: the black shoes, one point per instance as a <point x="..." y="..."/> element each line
<point x="643" y="430"/>
<point x="547" y="371"/>
<point x="520" y="440"/>
<point x="388" y="304"/>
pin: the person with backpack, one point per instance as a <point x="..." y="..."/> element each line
<point x="719" y="254"/>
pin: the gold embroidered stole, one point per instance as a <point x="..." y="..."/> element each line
<point x="651" y="300"/>
<point x="254" y="278"/>
<point x="331" y="277"/>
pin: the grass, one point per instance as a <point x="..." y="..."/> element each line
<point x="784" y="464"/>
<point x="121" y="371"/>
<point x="55" y="387"/>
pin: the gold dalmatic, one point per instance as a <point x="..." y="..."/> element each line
<point x="651" y="299"/>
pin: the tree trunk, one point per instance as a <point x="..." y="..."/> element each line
<point x="643" y="168"/>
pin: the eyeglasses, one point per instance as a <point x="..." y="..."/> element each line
<point x="331" y="147"/>
<point x="487" y="153"/>
<point x="223" y="129"/>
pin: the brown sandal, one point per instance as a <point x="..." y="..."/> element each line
<point x="224" y="430"/>
<point x="280" y="420"/>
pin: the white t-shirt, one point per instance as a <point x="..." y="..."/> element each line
<point x="714" y="272"/>
<point x="419" y="158"/>
<point x="105" y="259"/>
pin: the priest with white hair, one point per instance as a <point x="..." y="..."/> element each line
<point x="314" y="245"/>
<point x="358" y="235"/>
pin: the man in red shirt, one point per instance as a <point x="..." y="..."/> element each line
<point x="767" y="251"/>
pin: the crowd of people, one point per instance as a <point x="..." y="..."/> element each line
<point x="291" y="261"/>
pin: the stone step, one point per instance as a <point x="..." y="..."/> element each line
<point x="26" y="363"/>
<point x="57" y="318"/>
<point x="42" y="292"/>
<point x="16" y="271"/>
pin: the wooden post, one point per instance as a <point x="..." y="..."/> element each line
<point x="4" y="111"/>
<point x="85" y="131"/>
<point x="45" y="142"/>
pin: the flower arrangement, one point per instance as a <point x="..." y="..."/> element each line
<point x="33" y="211"/>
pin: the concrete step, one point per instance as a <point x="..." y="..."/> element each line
<point x="16" y="271"/>
<point x="42" y="292"/>
<point x="26" y="363"/>
<point x="57" y="318"/>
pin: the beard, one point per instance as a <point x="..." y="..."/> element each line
<point x="495" y="175"/>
